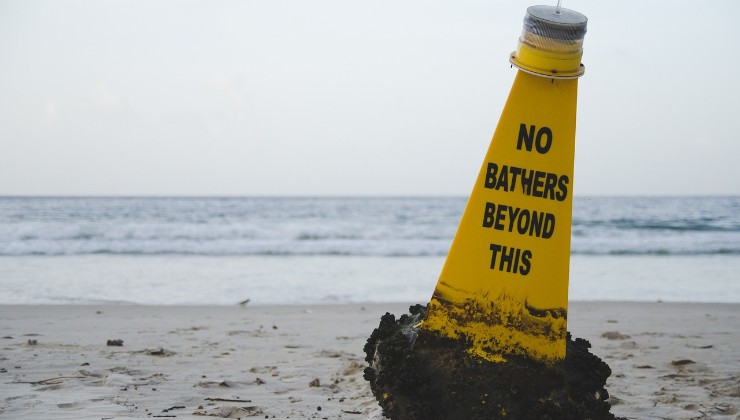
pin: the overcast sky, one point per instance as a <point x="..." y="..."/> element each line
<point x="298" y="97"/>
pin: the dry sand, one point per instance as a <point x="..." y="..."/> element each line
<point x="669" y="361"/>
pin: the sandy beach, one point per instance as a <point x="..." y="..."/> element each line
<point x="669" y="360"/>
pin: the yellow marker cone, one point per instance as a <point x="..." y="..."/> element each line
<point x="504" y="285"/>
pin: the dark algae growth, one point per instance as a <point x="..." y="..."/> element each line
<point x="418" y="374"/>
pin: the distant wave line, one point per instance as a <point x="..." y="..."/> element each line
<point x="337" y="252"/>
<point x="635" y="225"/>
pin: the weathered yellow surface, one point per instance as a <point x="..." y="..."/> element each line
<point x="504" y="285"/>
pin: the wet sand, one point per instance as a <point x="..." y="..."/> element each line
<point x="668" y="360"/>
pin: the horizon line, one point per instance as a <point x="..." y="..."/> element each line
<point x="347" y="196"/>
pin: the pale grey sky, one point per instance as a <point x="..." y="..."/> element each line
<point x="297" y="97"/>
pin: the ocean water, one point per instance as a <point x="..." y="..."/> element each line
<point x="336" y="250"/>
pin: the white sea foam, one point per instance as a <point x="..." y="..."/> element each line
<point x="304" y="250"/>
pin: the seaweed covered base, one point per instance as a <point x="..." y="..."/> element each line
<point x="417" y="374"/>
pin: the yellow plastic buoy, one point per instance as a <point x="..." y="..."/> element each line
<point x="504" y="286"/>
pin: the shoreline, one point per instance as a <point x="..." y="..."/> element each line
<point x="668" y="360"/>
<point x="275" y="280"/>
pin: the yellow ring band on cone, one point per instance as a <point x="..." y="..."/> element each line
<point x="548" y="63"/>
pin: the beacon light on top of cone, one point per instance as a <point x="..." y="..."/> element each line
<point x="503" y="289"/>
<point x="551" y="44"/>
